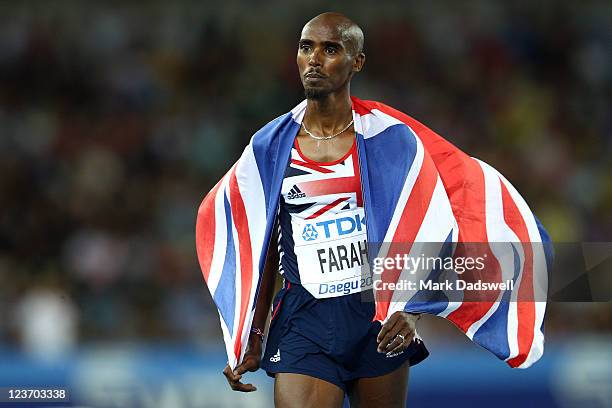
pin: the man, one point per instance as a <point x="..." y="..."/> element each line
<point x="330" y="52"/>
<point x="323" y="181"/>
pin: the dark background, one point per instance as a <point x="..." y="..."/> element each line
<point x="116" y="119"/>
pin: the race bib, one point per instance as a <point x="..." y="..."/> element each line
<point x="331" y="253"/>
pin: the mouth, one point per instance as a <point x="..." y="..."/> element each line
<point x="314" y="75"/>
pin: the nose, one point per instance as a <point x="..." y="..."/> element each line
<point x="314" y="59"/>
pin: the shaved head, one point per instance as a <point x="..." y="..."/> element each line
<point x="347" y="29"/>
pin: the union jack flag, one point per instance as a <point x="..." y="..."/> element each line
<point x="417" y="188"/>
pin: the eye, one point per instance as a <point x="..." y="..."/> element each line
<point x="330" y="50"/>
<point x="304" y="47"/>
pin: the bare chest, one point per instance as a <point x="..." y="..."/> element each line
<point x="325" y="151"/>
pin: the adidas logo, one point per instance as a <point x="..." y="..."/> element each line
<point x="294" y="193"/>
<point x="390" y="355"/>
<point x="276" y="358"/>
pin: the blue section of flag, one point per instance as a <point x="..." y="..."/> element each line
<point x="549" y="250"/>
<point x="225" y="295"/>
<point x="270" y="144"/>
<point x="549" y="253"/>
<point x="493" y="334"/>
<point x="389" y="157"/>
<point x="433" y="301"/>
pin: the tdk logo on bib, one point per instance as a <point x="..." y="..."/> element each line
<point x="342" y="226"/>
<point x="310" y="233"/>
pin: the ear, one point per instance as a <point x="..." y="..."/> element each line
<point x="358" y="62"/>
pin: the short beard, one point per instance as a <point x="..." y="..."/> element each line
<point x="315" y="94"/>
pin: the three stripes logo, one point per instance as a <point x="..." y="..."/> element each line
<point x="295" y="193"/>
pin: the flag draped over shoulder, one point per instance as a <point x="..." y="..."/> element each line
<point x="417" y="188"/>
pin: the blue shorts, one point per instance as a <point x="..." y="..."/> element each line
<point x="333" y="339"/>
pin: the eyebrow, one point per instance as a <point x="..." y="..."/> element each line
<point x="325" y="43"/>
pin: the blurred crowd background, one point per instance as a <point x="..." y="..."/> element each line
<point x="116" y="119"/>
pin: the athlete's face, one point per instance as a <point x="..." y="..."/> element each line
<point x="325" y="63"/>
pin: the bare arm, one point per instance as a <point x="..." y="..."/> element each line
<point x="266" y="288"/>
<point x="252" y="356"/>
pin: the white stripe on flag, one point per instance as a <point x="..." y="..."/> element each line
<point x="251" y="190"/>
<point x="298" y="112"/>
<point x="540" y="274"/>
<point x="228" y="342"/>
<point x="218" y="258"/>
<point x="376" y="122"/>
<point x="238" y="288"/>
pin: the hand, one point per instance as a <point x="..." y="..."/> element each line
<point x="252" y="358"/>
<point x="403" y="323"/>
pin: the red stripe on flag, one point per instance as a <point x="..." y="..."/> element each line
<point x="246" y="262"/>
<point x="469" y="206"/>
<point x="327" y="208"/>
<point x="205" y="230"/>
<point x="408" y="226"/>
<point x="340" y="185"/>
<point x="361" y="107"/>
<point x="525" y="306"/>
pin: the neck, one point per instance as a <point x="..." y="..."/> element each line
<point x="328" y="115"/>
